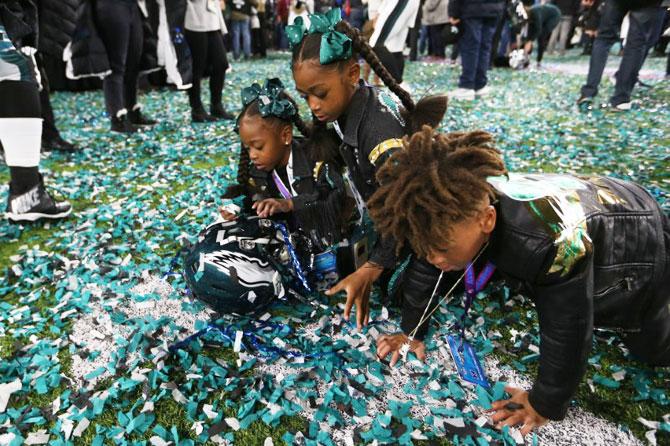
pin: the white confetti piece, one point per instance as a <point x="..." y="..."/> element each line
<point x="66" y="426"/>
<point x="237" y="346"/>
<point x="209" y="412"/>
<point x="197" y="427"/>
<point x="651" y="437"/>
<point x="39" y="437"/>
<point x="619" y="376"/>
<point x="158" y="441"/>
<point x="6" y="391"/>
<point x="148" y="407"/>
<point x="81" y="427"/>
<point x="178" y="396"/>
<point x="233" y="423"/>
<point x="456" y="422"/>
<point x="180" y="215"/>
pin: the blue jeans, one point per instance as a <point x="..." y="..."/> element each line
<point x="241" y="29"/>
<point x="640" y="32"/>
<point x="475" y="48"/>
<point x="281" y="41"/>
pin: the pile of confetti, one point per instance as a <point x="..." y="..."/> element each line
<point x="97" y="330"/>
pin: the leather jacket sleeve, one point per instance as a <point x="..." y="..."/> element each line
<point x="565" y="311"/>
<point x="322" y="210"/>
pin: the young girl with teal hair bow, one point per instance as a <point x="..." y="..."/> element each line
<point x="276" y="177"/>
<point x="370" y="125"/>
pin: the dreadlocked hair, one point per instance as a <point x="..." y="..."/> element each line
<point x="244" y="162"/>
<point x="428" y="111"/>
<point x="438" y="179"/>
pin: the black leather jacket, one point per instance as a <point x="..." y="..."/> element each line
<point x="371" y="129"/>
<point x="611" y="284"/>
<point x="607" y="269"/>
<point x="320" y="205"/>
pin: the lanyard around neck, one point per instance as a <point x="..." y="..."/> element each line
<point x="283" y="190"/>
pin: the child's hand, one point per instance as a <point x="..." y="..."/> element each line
<point x="357" y="285"/>
<point x="226" y="214"/>
<point x="271" y="206"/>
<point x="393" y="343"/>
<point x="516" y="410"/>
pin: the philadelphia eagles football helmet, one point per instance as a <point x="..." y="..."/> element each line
<point x="233" y="268"/>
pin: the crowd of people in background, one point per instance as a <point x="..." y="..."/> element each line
<point x="120" y="45"/>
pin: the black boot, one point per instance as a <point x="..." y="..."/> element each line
<point x="219" y="112"/>
<point x="58" y="144"/>
<point x="34" y="204"/>
<point x="137" y="118"/>
<point x="200" y="115"/>
<point x="122" y="124"/>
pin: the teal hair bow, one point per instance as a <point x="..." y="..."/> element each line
<point x="270" y="102"/>
<point x="334" y="44"/>
<point x="296" y="32"/>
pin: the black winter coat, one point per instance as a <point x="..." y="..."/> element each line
<point x="320" y="206"/>
<point x="605" y="263"/>
<point x="89" y="57"/>
<point x="610" y="272"/>
<point x="57" y="20"/>
<point x="466" y="9"/>
<point x="19" y="17"/>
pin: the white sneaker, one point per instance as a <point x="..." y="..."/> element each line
<point x="482" y="92"/>
<point x="462" y="94"/>
<point x="624" y="106"/>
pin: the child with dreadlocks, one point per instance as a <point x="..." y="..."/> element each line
<point x="277" y="178"/>
<point x="590" y="252"/>
<point x="369" y="122"/>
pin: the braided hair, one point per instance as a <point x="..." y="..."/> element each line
<point x="428" y="111"/>
<point x="439" y="179"/>
<point x="242" y="187"/>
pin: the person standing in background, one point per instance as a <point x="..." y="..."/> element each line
<point x="119" y="23"/>
<point x="354" y="12"/>
<point x="394" y="19"/>
<point x="477" y="20"/>
<point x="240" y="15"/>
<point x="642" y="17"/>
<point x="258" y="39"/>
<point x="542" y="20"/>
<point x="20" y="121"/>
<point x="559" y="38"/>
<point x="57" y="21"/>
<point x="436" y="16"/>
<point x="205" y="29"/>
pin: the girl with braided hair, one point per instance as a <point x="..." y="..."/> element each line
<point x="369" y="122"/>
<point x="276" y="177"/>
<point x="591" y="252"/>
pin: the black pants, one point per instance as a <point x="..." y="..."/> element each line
<point x="49" y="130"/>
<point x="120" y="25"/>
<point x="436" y="42"/>
<point x="258" y="40"/>
<point x="542" y="43"/>
<point x="393" y="62"/>
<point x="20" y="100"/>
<point x="207" y="49"/>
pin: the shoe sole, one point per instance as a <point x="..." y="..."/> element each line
<point x="34" y="216"/>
